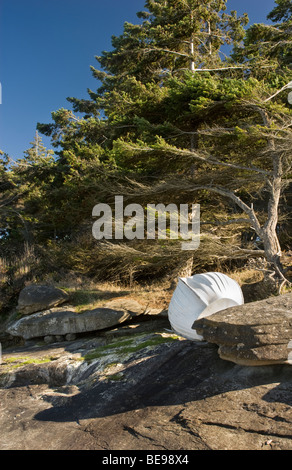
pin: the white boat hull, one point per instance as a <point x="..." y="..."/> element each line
<point x="200" y="296"/>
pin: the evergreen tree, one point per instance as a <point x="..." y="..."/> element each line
<point x="172" y="119"/>
<point x="282" y="12"/>
<point x="27" y="184"/>
<point x="175" y="35"/>
<point x="173" y="38"/>
<point x="269" y="46"/>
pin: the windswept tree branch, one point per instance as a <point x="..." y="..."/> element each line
<point x="10" y="199"/>
<point x="285" y="87"/>
<point x="238" y="201"/>
<point x="223" y="223"/>
<point x="206" y="159"/>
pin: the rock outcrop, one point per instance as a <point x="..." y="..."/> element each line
<point x="258" y="333"/>
<point x="151" y="391"/>
<point x="63" y="322"/>
<point x="139" y="386"/>
<point x="34" y="298"/>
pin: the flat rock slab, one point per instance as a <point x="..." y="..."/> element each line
<point x="258" y="333"/>
<point x="63" y="322"/>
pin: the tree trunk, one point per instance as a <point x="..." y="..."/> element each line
<point x="210" y="37"/>
<point x="272" y="247"/>
<point x="192" y="47"/>
<point x="269" y="230"/>
<point x="192" y="50"/>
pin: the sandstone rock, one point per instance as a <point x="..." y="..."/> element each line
<point x="134" y="307"/>
<point x="56" y="322"/>
<point x="130" y="305"/>
<point x="258" y="333"/>
<point x="35" y="298"/>
<point x="178" y="396"/>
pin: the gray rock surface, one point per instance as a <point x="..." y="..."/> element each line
<point x="258" y="333"/>
<point x="34" y="298"/>
<point x="58" y="321"/>
<point x="138" y="386"/>
<point x="106" y="394"/>
<point x="64" y="321"/>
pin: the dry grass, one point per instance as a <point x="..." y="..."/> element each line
<point x="17" y="267"/>
<point x="246" y="275"/>
<point x="89" y="294"/>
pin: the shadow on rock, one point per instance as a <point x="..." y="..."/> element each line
<point x="179" y="373"/>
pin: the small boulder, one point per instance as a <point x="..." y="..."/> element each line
<point x="254" y="334"/>
<point x="35" y="298"/>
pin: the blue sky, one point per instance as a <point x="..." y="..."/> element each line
<point x="46" y="49"/>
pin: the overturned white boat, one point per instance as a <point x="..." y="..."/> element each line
<point x="199" y="296"/>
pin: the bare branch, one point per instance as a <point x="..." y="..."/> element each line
<point x="285" y="87"/>
<point x="239" y="202"/>
<point x="11" y="199"/>
<point x="214" y="161"/>
<point x="188" y="56"/>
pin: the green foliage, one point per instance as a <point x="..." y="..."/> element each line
<point x="170" y="114"/>
<point x="283" y="11"/>
<point x="268" y="48"/>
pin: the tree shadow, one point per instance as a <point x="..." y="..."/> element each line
<point x="175" y="374"/>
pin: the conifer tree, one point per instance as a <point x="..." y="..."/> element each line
<point x="175" y="119"/>
<point x="174" y="36"/>
<point x="25" y="191"/>
<point x="269" y="46"/>
<point x="282" y="12"/>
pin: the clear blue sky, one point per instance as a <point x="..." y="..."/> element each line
<point x="46" y="49"/>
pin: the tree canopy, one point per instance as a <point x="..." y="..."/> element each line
<point x="191" y="106"/>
